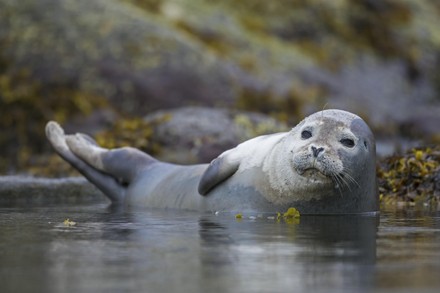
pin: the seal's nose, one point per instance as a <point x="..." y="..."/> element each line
<point x="316" y="151"/>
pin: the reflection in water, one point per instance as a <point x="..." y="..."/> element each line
<point x="321" y="252"/>
<point x="410" y="254"/>
<point x="115" y="250"/>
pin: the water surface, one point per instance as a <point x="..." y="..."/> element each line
<point x="111" y="250"/>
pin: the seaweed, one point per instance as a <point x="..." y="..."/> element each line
<point x="411" y="179"/>
<point x="26" y="105"/>
<point x="134" y="132"/>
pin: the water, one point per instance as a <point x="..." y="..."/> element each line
<point x="111" y="250"/>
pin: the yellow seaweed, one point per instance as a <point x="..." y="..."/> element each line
<point x="291" y="213"/>
<point x="69" y="223"/>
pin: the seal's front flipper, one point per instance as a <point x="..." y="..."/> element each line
<point x="218" y="171"/>
<point x="107" y="184"/>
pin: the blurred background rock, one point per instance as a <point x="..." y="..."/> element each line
<point x="186" y="79"/>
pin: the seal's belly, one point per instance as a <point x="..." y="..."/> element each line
<point x="170" y="186"/>
<point x="167" y="186"/>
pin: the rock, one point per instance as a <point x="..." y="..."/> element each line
<point x="380" y="92"/>
<point x="149" y="55"/>
<point x="285" y="58"/>
<point x="80" y="56"/>
<point x="374" y="58"/>
<point x="197" y="134"/>
<point x="21" y="190"/>
<point x="110" y="49"/>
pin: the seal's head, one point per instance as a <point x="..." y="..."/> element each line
<point x="331" y="154"/>
<point x="332" y="146"/>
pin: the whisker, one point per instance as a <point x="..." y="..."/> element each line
<point x="348" y="179"/>
<point x="322" y="111"/>
<point x="338" y="183"/>
<point x="346" y="183"/>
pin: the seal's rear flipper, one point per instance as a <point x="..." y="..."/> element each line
<point x="106" y="183"/>
<point x="124" y="164"/>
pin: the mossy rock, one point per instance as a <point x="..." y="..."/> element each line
<point x="109" y="48"/>
<point x="68" y="59"/>
<point x="374" y="58"/>
<point x="191" y="134"/>
<point x="65" y="59"/>
<point x="412" y="178"/>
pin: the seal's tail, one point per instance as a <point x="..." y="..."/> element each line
<point x="106" y="183"/>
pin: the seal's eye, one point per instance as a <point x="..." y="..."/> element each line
<point x="306" y="134"/>
<point x="347" y="142"/>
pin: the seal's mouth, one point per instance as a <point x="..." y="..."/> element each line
<point x="315" y="175"/>
<point x="312" y="171"/>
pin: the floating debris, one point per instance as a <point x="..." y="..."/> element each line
<point x="291" y="216"/>
<point x="69" y="223"/>
<point x="291" y="213"/>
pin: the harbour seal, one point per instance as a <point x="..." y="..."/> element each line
<point x="324" y="165"/>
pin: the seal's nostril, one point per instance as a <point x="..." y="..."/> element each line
<point x="316" y="151"/>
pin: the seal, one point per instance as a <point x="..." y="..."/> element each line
<point x="324" y="165"/>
